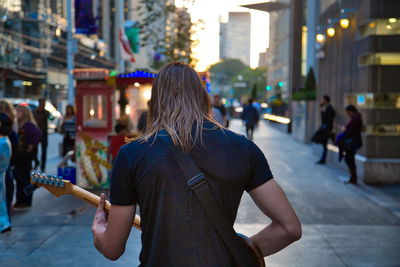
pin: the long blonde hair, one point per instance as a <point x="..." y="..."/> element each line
<point x="179" y="104"/>
<point x="7" y="107"/>
<point x="27" y="115"/>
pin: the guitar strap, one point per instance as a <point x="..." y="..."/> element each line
<point x="197" y="182"/>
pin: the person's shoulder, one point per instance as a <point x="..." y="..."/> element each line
<point x="231" y="136"/>
<point x="137" y="145"/>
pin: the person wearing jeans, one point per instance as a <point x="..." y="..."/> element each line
<point x="325" y="131"/>
<point x="250" y="116"/>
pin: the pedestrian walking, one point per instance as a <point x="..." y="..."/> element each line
<point x="6" y="125"/>
<point x="68" y="129"/>
<point x="221" y="116"/>
<point x="250" y="116"/>
<point x="168" y="168"/>
<point x="7" y="108"/>
<point x="142" y="122"/>
<point x="325" y="130"/>
<point x="28" y="138"/>
<point x="217" y="116"/>
<point x="41" y="117"/>
<point x="349" y="141"/>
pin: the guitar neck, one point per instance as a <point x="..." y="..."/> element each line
<point x="93" y="200"/>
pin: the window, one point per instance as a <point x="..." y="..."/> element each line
<point x="380" y="59"/>
<point x="389" y="26"/>
<point x="94" y="111"/>
<point x="375" y="100"/>
<point x="383" y="129"/>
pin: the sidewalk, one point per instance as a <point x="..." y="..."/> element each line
<point x="341" y="225"/>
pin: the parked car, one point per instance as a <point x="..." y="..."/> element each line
<point x="55" y="115"/>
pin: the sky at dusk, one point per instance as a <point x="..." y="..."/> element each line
<point x="211" y="12"/>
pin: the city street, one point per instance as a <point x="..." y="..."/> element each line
<point x="343" y="225"/>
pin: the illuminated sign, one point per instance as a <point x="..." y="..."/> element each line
<point x="138" y="74"/>
<point x="91" y="74"/>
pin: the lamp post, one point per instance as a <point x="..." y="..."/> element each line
<point x="71" y="50"/>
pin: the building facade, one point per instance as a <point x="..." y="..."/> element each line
<point x="235" y="37"/>
<point x="33" y="49"/>
<point x="263" y="60"/>
<point x="360" y="65"/>
<point x="33" y="45"/>
<point x="354" y="48"/>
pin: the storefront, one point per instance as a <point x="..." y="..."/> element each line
<point x="101" y="102"/>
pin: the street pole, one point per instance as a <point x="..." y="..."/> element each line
<point x="70" y="53"/>
<point x="118" y="22"/>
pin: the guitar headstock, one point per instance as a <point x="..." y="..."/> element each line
<point x="53" y="183"/>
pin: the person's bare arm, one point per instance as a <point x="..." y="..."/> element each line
<point x="285" y="227"/>
<point x="110" y="234"/>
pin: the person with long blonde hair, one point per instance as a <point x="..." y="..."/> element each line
<point x="152" y="172"/>
<point x="28" y="138"/>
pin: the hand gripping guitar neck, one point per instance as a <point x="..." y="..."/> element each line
<point x="58" y="187"/>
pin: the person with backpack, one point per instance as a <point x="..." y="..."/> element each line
<point x="250" y="116"/>
<point x="349" y="141"/>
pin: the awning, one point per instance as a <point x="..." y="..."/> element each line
<point x="57" y="77"/>
<point x="268" y="6"/>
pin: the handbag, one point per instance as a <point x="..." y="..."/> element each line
<point x="243" y="254"/>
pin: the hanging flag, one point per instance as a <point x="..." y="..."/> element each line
<point x="126" y="51"/>
<point x="132" y="32"/>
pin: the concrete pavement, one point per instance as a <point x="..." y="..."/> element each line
<point x="342" y="224"/>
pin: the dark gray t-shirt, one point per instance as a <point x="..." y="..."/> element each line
<point x="176" y="231"/>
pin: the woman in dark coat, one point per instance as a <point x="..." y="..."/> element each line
<point x="350" y="141"/>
